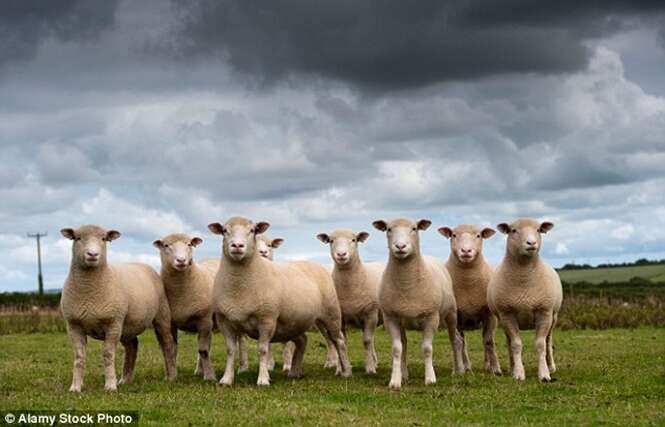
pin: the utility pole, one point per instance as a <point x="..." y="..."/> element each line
<point x="40" y="279"/>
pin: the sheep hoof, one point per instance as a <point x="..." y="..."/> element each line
<point x="395" y="385"/>
<point x="330" y="364"/>
<point x="226" y="381"/>
<point x="209" y="377"/>
<point x="497" y="372"/>
<point x="124" y="380"/>
<point x="519" y="377"/>
<point x="263" y="383"/>
<point x="110" y="387"/>
<point x="370" y="371"/>
<point x="429" y="381"/>
<point x="75" y="389"/>
<point x="242" y="369"/>
<point x="286" y="368"/>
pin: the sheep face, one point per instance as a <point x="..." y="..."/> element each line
<point x="266" y="246"/>
<point x="240" y="236"/>
<point x="176" y="250"/>
<point x="524" y="236"/>
<point x="89" y="244"/>
<point x="343" y="244"/>
<point x="466" y="241"/>
<point x="402" y="234"/>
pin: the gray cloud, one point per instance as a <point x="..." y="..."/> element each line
<point x="396" y="44"/>
<point x="25" y="24"/>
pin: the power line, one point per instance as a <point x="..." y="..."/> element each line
<point x="40" y="279"/>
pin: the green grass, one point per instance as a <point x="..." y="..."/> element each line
<point x="614" y="377"/>
<point x="654" y="273"/>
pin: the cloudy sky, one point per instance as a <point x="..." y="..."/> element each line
<point x="157" y="117"/>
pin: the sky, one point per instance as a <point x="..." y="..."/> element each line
<point x="155" y="117"/>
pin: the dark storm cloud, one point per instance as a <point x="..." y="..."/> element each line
<point x="24" y="24"/>
<point x="397" y="44"/>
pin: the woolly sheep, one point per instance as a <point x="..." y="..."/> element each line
<point x="188" y="286"/>
<point x="471" y="274"/>
<point x="416" y="293"/>
<point x="525" y="283"/>
<point x="112" y="302"/>
<point x="357" y="286"/>
<point x="271" y="301"/>
<point x="266" y="247"/>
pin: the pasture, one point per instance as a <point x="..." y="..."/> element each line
<point x="653" y="273"/>
<point x="614" y="376"/>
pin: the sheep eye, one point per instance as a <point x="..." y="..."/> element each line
<point x="332" y="241"/>
<point x="251" y="231"/>
<point x="389" y="230"/>
<point x="353" y="240"/>
<point x="477" y="236"/>
<point x="77" y="239"/>
<point x="165" y="245"/>
<point x="513" y="231"/>
<point x="454" y="235"/>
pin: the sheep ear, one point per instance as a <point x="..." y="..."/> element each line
<point x="424" y="224"/>
<point x="323" y="237"/>
<point x="503" y="227"/>
<point x="487" y="233"/>
<point x="216" y="228"/>
<point x="362" y="236"/>
<point x="158" y="244"/>
<point x="446" y="232"/>
<point x="112" y="235"/>
<point x="276" y="243"/>
<point x="380" y="225"/>
<point x="261" y="227"/>
<point x="545" y="227"/>
<point x="68" y="233"/>
<point x="196" y="241"/>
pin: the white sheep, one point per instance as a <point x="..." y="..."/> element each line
<point x="266" y="247"/>
<point x="416" y="293"/>
<point x="357" y="285"/>
<point x="271" y="302"/>
<point x="525" y="283"/>
<point x="471" y="274"/>
<point x="114" y="303"/>
<point x="188" y="286"/>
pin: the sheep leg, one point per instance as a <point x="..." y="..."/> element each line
<point x="395" y="330"/>
<point x="456" y="343"/>
<point x="512" y="329"/>
<point x="465" y="353"/>
<point x="242" y="350"/>
<point x="131" y="350"/>
<point x="296" y="367"/>
<point x="550" y="350"/>
<point x="79" y="341"/>
<point x="491" y="358"/>
<point x="333" y="330"/>
<point x="174" y="334"/>
<point x="368" y="342"/>
<point x="266" y="332"/>
<point x="111" y="338"/>
<point x="204" y="339"/>
<point x="231" y="341"/>
<point x="543" y="320"/>
<point x="332" y="361"/>
<point x="164" y="335"/>
<point x="429" y="329"/>
<point x="403" y="364"/>
<point x="271" y="359"/>
<point x="287" y="356"/>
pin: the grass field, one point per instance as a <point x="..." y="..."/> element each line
<point x="654" y="273"/>
<point x="614" y="377"/>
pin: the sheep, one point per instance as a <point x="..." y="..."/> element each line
<point x="188" y="286"/>
<point x="357" y="286"/>
<point x="112" y="302"/>
<point x="266" y="247"/>
<point x="416" y="293"/>
<point x="471" y="275"/>
<point x="270" y="301"/>
<point x="525" y="283"/>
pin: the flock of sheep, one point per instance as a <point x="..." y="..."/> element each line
<point x="245" y="293"/>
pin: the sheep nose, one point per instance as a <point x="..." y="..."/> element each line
<point x="466" y="251"/>
<point x="180" y="260"/>
<point x="400" y="246"/>
<point x="92" y="254"/>
<point x="531" y="242"/>
<point x="341" y="254"/>
<point x="237" y="245"/>
<point x="263" y="252"/>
